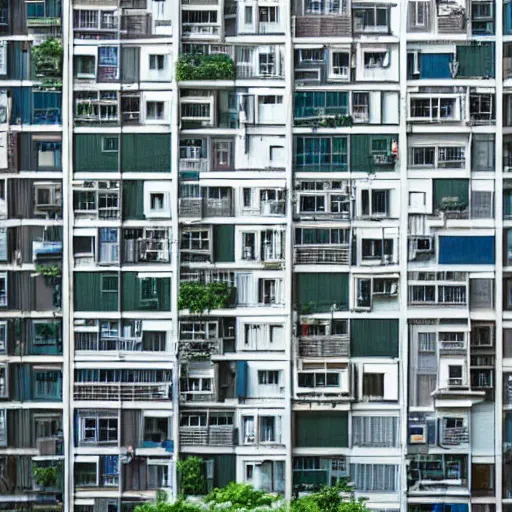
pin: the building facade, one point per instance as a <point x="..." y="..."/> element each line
<point x="272" y="234"/>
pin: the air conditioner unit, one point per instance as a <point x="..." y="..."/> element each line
<point x="418" y="433"/>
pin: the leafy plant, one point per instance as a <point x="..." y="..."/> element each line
<point x="191" y="474"/>
<point x="199" y="297"/>
<point x="205" y="67"/>
<point x="338" y="498"/>
<point x="240" y="496"/>
<point x="46" y="476"/>
<point x="164" y="506"/>
<point x="47" y="58"/>
<point x="51" y="271"/>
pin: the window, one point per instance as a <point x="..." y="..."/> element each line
<point x="3" y="337"/>
<point x="3" y="427"/>
<point x="156" y="200"/>
<point x="156" y="62"/>
<point x="419" y="15"/>
<point x="371" y="19"/>
<point x="375" y="431"/>
<point x="49" y="155"/>
<point x="249" y="246"/>
<point x="197" y="384"/>
<point x="85" y="66"/>
<point x="249" y="435"/>
<point x="86" y="474"/>
<point x="268" y="377"/>
<point x="269" y="14"/>
<point x="109" y="144"/>
<point x="313" y="55"/>
<point x="95" y="429"/>
<point x="434" y="109"/>
<point x="376" y="59"/>
<point x="46" y="332"/>
<point x="267" y="64"/>
<point x="427" y="342"/>
<point x="3" y="290"/>
<point x="85" y="19"/>
<point x="248" y="15"/>
<point x="108" y="20"/>
<point x="373" y="385"/>
<point x="267" y="429"/>
<point x="376" y="249"/>
<point x="422" y="157"/>
<point x="193" y="420"/>
<point x="374" y="477"/>
<point x="481" y="108"/>
<point x="222" y="153"/>
<point x="154" y="110"/>
<point x="340" y="65"/>
<point x="47" y="385"/>
<point x="319" y="379"/>
<point x="270" y="99"/>
<point x="455" y="375"/>
<point x="196" y="240"/>
<point x="378" y="205"/>
<point x="156" y="430"/>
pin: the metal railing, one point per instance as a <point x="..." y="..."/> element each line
<point x="324" y="346"/>
<point x="129" y="392"/>
<point x="323" y="254"/>
<point x="208" y="436"/>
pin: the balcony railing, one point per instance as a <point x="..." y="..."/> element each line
<point x="267" y="208"/>
<point x="197" y="207"/>
<point x="324" y="346"/>
<point x="339" y="255"/>
<point x="452" y="346"/>
<point x="199" y="2"/>
<point x="314" y="25"/>
<point x="208" y="436"/>
<point x="193" y="30"/>
<point x="455" y="436"/>
<point x="200" y="349"/>
<point x="89" y="341"/>
<point x="122" y="391"/>
<point x="146" y="250"/>
<point x="454" y="23"/>
<point x="193" y="165"/>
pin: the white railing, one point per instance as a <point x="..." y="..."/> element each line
<point x="122" y="391"/>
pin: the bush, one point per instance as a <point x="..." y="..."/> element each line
<point x="205" y="67"/>
<point x="240" y="496"/>
<point x="191" y="475"/>
<point x="199" y="297"/>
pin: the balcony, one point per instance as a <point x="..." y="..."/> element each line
<point x="146" y="250"/>
<point x="200" y="349"/>
<point x="324" y="346"/>
<point x="208" y="436"/>
<point x="451" y="18"/>
<point x="200" y="29"/>
<point x="321" y="23"/>
<point x="102" y="111"/>
<point x="270" y="207"/>
<point x="203" y="207"/>
<point x="337" y="255"/>
<point x="193" y="165"/>
<point x="89" y="341"/>
<point x="122" y="391"/>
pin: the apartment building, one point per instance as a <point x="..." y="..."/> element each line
<point x="272" y="234"/>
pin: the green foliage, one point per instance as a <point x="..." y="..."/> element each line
<point x="51" y="271"/>
<point x="240" y="497"/>
<point x="339" y="498"/>
<point x="191" y="475"/>
<point x="164" y="506"/>
<point x="198" y="297"/>
<point x="47" y="58"/>
<point x="205" y="67"/>
<point x="46" y="476"/>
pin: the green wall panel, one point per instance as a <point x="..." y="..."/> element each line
<point x="148" y="152"/>
<point x="90" y="155"/>
<point x="90" y="291"/>
<point x="133" y="200"/>
<point x="322" y="429"/>
<point x="145" y="294"/>
<point x="318" y="292"/>
<point x="374" y="337"/>
<point x="224" y="243"/>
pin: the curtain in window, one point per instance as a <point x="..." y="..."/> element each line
<point x="377" y="431"/>
<point x="374" y="477"/>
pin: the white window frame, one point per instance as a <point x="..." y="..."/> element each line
<point x="332" y="74"/>
<point x="3" y="427"/>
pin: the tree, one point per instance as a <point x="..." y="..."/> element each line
<point x="239" y="496"/>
